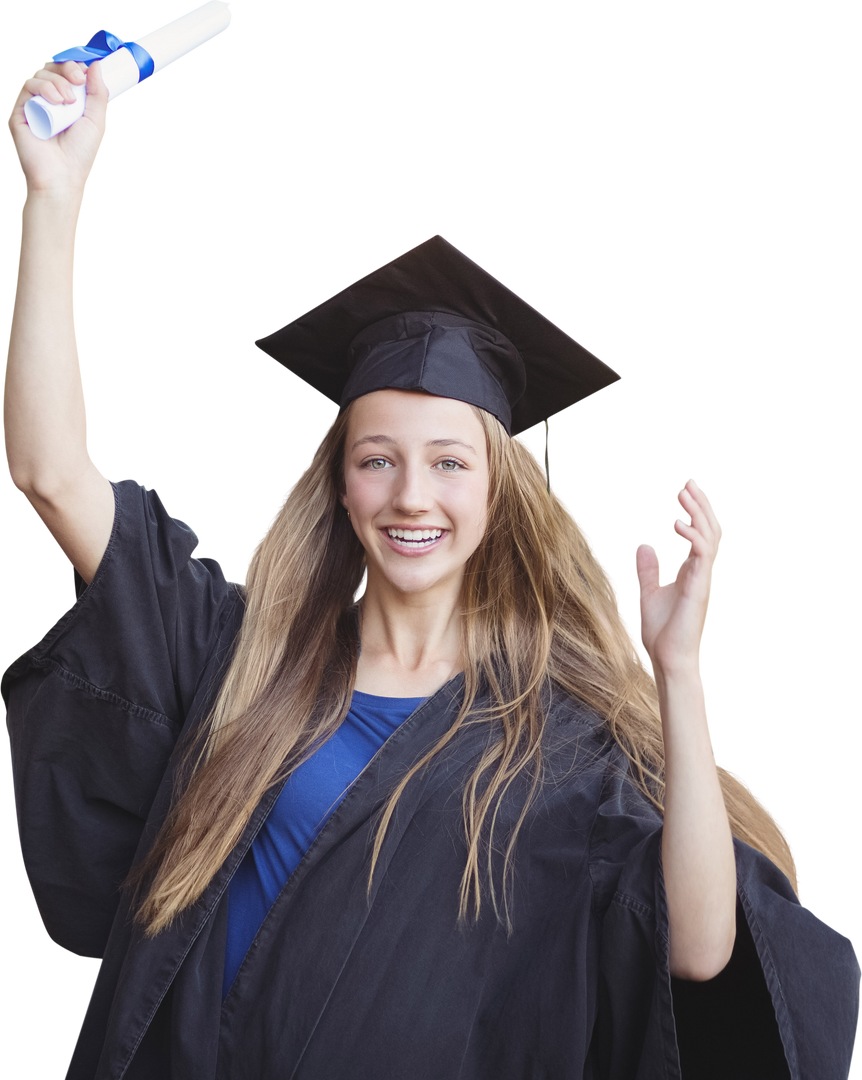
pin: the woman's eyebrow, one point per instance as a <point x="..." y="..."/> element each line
<point x="390" y="441"/>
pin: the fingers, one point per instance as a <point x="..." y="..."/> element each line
<point x="703" y="530"/>
<point x="55" y="81"/>
<point x="647" y="564"/>
<point x="699" y="522"/>
<point x="704" y="506"/>
<point x="71" y="69"/>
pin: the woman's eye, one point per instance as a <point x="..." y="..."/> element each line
<point x="450" y="465"/>
<point x="448" y="461"/>
<point x="376" y="463"/>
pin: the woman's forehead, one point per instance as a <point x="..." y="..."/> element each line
<point x="407" y="406"/>
<point x="405" y="416"/>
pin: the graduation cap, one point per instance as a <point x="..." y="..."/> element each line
<point x="433" y="320"/>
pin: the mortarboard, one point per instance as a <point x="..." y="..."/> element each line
<point x="434" y="320"/>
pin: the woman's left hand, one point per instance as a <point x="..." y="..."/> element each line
<point x="672" y="616"/>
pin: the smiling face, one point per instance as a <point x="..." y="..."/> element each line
<point x="416" y="486"/>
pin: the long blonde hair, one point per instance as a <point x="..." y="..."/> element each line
<point x="536" y="607"/>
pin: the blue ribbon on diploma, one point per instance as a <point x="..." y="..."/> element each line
<point x="103" y="44"/>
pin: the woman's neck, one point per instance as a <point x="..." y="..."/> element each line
<point x="411" y="638"/>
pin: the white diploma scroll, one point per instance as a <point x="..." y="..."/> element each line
<point x="120" y="71"/>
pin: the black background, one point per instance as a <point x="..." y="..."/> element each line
<point x="288" y="158"/>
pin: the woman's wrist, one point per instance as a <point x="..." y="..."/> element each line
<point x="51" y="215"/>
<point x="54" y="197"/>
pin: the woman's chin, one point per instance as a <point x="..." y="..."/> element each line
<point x="414" y="580"/>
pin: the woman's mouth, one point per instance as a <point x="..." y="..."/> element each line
<point x="418" y="543"/>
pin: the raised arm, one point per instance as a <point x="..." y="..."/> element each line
<point x="46" y="442"/>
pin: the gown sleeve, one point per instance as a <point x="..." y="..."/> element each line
<point x="95" y="709"/>
<point x="784" y="1008"/>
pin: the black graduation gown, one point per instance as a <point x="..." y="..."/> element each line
<point x="343" y="983"/>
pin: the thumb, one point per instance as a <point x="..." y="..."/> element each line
<point x="97" y="106"/>
<point x="647" y="564"/>
<point x="95" y="88"/>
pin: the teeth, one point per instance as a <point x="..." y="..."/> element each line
<point x="415" y="535"/>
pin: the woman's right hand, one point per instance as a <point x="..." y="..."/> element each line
<point x="62" y="164"/>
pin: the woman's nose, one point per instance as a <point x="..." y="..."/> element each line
<point x="412" y="491"/>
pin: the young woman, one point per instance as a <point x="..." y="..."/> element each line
<point x="456" y="831"/>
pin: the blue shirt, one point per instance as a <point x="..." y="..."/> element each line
<point x="309" y="797"/>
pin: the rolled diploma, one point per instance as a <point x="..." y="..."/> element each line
<point x="120" y="71"/>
